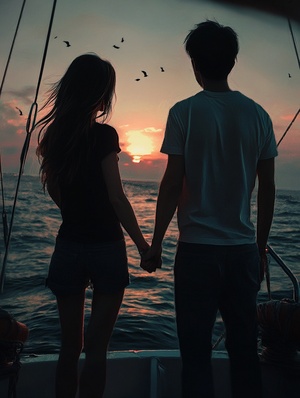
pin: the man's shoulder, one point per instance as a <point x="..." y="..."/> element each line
<point x="245" y="98"/>
<point x="184" y="103"/>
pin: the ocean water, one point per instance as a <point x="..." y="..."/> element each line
<point x="146" y="319"/>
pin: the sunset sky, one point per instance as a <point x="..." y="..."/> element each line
<point x="153" y="33"/>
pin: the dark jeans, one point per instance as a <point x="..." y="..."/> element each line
<point x="209" y="278"/>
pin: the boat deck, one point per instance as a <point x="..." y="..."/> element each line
<point x="148" y="374"/>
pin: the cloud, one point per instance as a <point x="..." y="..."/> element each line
<point x="288" y="118"/>
<point x="11" y="123"/>
<point x="26" y="94"/>
<point x="13" y="132"/>
<point x="151" y="130"/>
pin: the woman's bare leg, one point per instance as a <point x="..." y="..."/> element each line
<point x="71" y="314"/>
<point x="105" y="309"/>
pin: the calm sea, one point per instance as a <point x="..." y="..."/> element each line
<point x="146" y="319"/>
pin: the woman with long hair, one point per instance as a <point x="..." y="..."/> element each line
<point x="79" y="169"/>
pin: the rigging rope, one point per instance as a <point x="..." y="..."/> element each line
<point x="4" y="214"/>
<point x="289" y="126"/>
<point x="294" y="42"/>
<point x="11" y="48"/>
<point x="284" y="134"/>
<point x="298" y="60"/>
<point x="29" y="128"/>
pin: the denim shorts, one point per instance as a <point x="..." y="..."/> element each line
<point x="74" y="266"/>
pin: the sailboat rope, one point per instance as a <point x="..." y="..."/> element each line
<point x="29" y="128"/>
<point x="288" y="127"/>
<point x="298" y="60"/>
<point x="4" y="215"/>
<point x="294" y="42"/>
<point x="11" y="48"/>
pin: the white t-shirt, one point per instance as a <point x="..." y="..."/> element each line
<point x="221" y="135"/>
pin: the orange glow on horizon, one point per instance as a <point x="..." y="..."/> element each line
<point x="287" y="117"/>
<point x="139" y="144"/>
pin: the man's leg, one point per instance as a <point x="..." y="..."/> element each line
<point x="238" y="309"/>
<point x="196" y="297"/>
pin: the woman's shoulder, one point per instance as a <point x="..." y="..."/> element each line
<point x="105" y="128"/>
<point x="106" y="136"/>
<point x="103" y="132"/>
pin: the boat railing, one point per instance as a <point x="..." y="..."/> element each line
<point x="287" y="271"/>
<point x="296" y="289"/>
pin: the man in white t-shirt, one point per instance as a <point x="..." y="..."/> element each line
<point x="217" y="141"/>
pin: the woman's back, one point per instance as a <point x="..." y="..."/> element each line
<point x="85" y="206"/>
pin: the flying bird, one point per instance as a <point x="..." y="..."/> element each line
<point x="162" y="69"/>
<point x="145" y="73"/>
<point x="122" y="40"/>
<point x="114" y="46"/>
<point x="67" y="43"/>
<point x="55" y="37"/>
<point x="20" y="112"/>
<point x="290" y="75"/>
<point x="137" y="80"/>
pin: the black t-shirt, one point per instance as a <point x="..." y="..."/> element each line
<point x="87" y="213"/>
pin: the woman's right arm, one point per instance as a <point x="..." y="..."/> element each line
<point x="120" y="202"/>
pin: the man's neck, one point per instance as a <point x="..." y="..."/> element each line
<point x="215" y="85"/>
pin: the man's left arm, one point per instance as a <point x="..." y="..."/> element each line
<point x="167" y="202"/>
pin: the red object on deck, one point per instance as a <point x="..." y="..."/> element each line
<point x="12" y="330"/>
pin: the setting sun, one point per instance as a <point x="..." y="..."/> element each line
<point x="139" y="144"/>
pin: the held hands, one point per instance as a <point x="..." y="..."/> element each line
<point x="151" y="260"/>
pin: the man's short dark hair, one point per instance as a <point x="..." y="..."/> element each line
<point x="213" y="48"/>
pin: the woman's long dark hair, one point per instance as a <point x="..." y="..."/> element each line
<point x="87" y="88"/>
